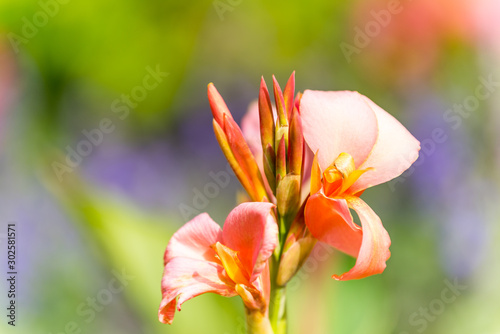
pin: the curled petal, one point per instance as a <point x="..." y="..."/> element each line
<point x="374" y="251"/>
<point x="336" y="122"/>
<point x="250" y="229"/>
<point x="252" y="298"/>
<point x="187" y="278"/>
<point x="394" y="152"/>
<point x="193" y="240"/>
<point x="330" y="221"/>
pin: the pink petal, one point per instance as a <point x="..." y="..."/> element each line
<point x="374" y="251"/>
<point x="193" y="240"/>
<point x="330" y="221"/>
<point x="187" y="278"/>
<point x="394" y="152"/>
<point x="250" y="126"/>
<point x="251" y="230"/>
<point x="336" y="122"/>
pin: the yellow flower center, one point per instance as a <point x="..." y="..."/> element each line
<point x="231" y="263"/>
<point x="341" y="175"/>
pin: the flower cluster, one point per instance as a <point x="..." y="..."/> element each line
<point x="304" y="164"/>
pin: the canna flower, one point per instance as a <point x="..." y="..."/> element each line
<point x="357" y="145"/>
<point x="201" y="257"/>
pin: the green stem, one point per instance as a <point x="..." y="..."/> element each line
<point x="283" y="231"/>
<point x="277" y="309"/>
<point x="277" y="303"/>
<point x="257" y="323"/>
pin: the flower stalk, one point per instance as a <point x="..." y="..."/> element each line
<point x="277" y="309"/>
<point x="258" y="322"/>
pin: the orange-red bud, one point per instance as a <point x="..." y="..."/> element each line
<point x="295" y="144"/>
<point x="288" y="95"/>
<point x="217" y="104"/>
<point x="280" y="103"/>
<point x="281" y="160"/>
<point x="266" y="117"/>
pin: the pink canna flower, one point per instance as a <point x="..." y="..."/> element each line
<point x="201" y="257"/>
<point x="357" y="145"/>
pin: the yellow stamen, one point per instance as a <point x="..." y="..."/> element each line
<point x="341" y="175"/>
<point x="231" y="263"/>
<point x="345" y="164"/>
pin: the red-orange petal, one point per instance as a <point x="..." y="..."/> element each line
<point x="374" y="250"/>
<point x="330" y="221"/>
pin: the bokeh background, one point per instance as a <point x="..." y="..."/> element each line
<point x="69" y="68"/>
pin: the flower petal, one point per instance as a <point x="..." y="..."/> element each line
<point x="251" y="230"/>
<point x="330" y="221"/>
<point x="188" y="278"/>
<point x="393" y="153"/>
<point x="374" y="250"/>
<point x="250" y="126"/>
<point x="336" y="122"/>
<point x="193" y="240"/>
